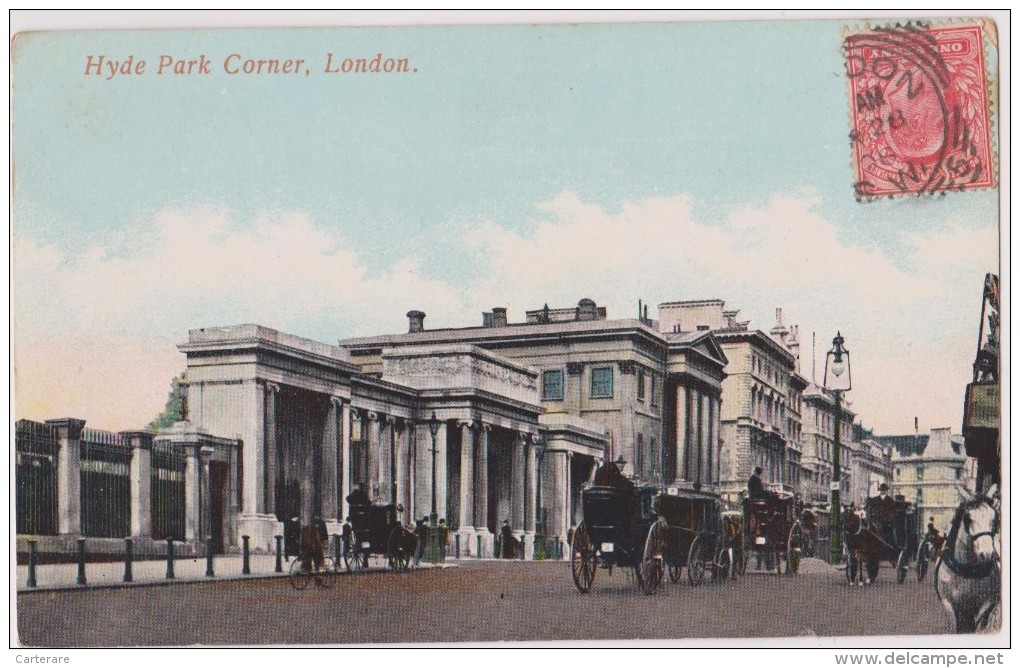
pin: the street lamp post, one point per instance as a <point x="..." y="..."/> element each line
<point x="837" y="380"/>
<point x="433" y="548"/>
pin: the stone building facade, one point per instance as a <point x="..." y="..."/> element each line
<point x="655" y="396"/>
<point x="760" y="411"/>
<point x="933" y="471"/>
<point x="870" y="465"/>
<point x="819" y="442"/>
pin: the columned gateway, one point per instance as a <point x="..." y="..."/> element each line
<point x="312" y="427"/>
<point x="281" y="396"/>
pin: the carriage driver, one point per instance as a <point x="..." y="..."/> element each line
<point x="755" y="488"/>
<point x="883" y="511"/>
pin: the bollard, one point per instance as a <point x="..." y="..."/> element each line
<point x="478" y="546"/>
<point x="279" y="554"/>
<point x="209" y="558"/>
<point x="246" y="560"/>
<point x="169" y="558"/>
<point x="81" y="561"/>
<point x="456" y="547"/>
<point x="31" y="563"/>
<point x="128" y="555"/>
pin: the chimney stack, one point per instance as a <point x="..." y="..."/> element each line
<point x="498" y="316"/>
<point x="415" y="321"/>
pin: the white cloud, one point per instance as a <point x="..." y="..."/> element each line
<point x="96" y="331"/>
<point x="911" y="324"/>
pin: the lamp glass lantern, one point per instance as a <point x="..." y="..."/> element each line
<point x="837" y="367"/>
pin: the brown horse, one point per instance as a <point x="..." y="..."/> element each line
<point x="733" y="539"/>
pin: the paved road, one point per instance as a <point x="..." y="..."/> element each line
<point x="477" y="602"/>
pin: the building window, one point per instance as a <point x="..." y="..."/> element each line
<point x="920" y="473"/>
<point x="655" y="460"/>
<point x="602" y="382"/>
<point x="640" y="385"/>
<point x="959" y="473"/>
<point x="552" y="385"/>
<point x="898" y="472"/>
<point x="651" y="390"/>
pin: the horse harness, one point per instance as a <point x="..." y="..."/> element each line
<point x="968" y="571"/>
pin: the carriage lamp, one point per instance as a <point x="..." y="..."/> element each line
<point x="433" y="547"/>
<point x="837" y="380"/>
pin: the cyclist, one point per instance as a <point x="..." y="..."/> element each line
<point x="312" y="551"/>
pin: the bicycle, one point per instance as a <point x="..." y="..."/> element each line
<point x="302" y="572"/>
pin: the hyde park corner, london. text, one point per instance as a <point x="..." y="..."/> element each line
<point x="107" y="67"/>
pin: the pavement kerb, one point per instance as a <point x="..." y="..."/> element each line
<point x="193" y="580"/>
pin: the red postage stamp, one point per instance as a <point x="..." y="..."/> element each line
<point x="919" y="109"/>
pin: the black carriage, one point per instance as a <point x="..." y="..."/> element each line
<point x="616" y="532"/>
<point x="772" y="530"/>
<point x="694" y="536"/>
<point x="893" y="539"/>
<point x="376" y="530"/>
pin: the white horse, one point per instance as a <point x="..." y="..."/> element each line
<point x="967" y="578"/>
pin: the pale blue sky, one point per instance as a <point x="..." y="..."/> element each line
<point x="496" y="121"/>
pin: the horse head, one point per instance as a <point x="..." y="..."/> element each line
<point x="974" y="536"/>
<point x="852" y="522"/>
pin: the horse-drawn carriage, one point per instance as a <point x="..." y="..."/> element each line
<point x="376" y="530"/>
<point x="772" y="530"/>
<point x="695" y="535"/>
<point x="638" y="526"/>
<point x="879" y="536"/>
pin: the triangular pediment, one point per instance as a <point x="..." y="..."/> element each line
<point x="708" y="346"/>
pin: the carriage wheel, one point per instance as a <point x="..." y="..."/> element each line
<point x="397" y="554"/>
<point x="583" y="562"/>
<point x="922" y="561"/>
<point x="794" y="547"/>
<point x="696" y="561"/>
<point x="650" y="570"/>
<point x="902" y="566"/>
<point x="353" y="559"/>
<point x="721" y="572"/>
<point x="300" y="577"/>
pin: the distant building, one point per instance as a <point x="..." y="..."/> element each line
<point x="761" y="394"/>
<point x="819" y="441"/>
<point x="932" y="470"/>
<point x="870" y="465"/>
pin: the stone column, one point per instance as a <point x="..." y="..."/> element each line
<point x="466" y="517"/>
<point x="717" y="437"/>
<point x="192" y="505"/>
<point x="388" y="460"/>
<point x="481" y="496"/>
<point x="345" y="456"/>
<point x="330" y="463"/>
<point x="517" y="482"/>
<point x="271" y="456"/>
<point x="554" y="495"/>
<point x="373" y="425"/>
<point x="703" y="440"/>
<point x="68" y="431"/>
<point x="681" y="433"/>
<point x="141" y="482"/>
<point x="530" y="496"/>
<point x="407" y="462"/>
<point x="569" y="486"/>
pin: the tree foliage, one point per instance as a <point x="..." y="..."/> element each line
<point x="174" y="410"/>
